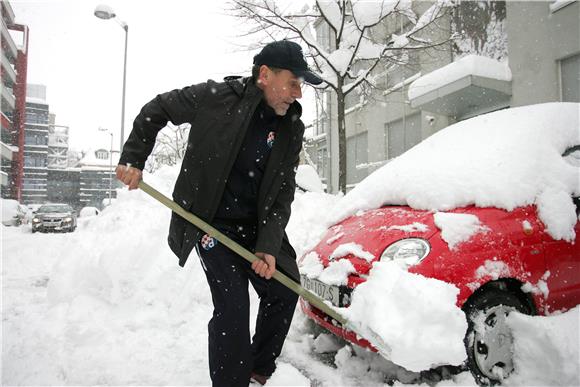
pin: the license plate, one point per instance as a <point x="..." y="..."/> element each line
<point x="327" y="292"/>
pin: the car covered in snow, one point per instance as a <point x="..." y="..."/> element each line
<point x="54" y="217"/>
<point x="13" y="213"/>
<point x="489" y="205"/>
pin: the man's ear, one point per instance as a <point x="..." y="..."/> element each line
<point x="263" y="75"/>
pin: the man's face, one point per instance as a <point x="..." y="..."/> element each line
<point x="280" y="88"/>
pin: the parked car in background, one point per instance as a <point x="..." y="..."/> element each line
<point x="486" y="218"/>
<point x="13" y="213"/>
<point x="54" y="217"/>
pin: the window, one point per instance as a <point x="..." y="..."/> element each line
<point x="356" y="154"/>
<point x="402" y="135"/>
<point x="322" y="163"/>
<point x="323" y="35"/>
<point x="102" y="154"/>
<point x="570" y="78"/>
<point x="35" y="161"/>
<point x="35" y="139"/>
<point x="35" y="116"/>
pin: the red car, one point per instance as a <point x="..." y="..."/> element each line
<point x="514" y="265"/>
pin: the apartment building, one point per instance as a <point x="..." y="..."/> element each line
<point x="13" y="65"/>
<point x="36" y="127"/>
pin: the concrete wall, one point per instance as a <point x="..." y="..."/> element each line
<point x="537" y="39"/>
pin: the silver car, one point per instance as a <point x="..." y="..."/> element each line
<point x="54" y="217"/>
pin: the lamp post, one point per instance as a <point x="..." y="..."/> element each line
<point x="105" y="12"/>
<point x="110" y="164"/>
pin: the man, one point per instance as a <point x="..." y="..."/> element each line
<point x="237" y="174"/>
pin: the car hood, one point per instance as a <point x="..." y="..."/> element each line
<point x="374" y="230"/>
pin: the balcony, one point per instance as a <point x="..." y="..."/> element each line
<point x="6" y="151"/>
<point x="11" y="49"/>
<point x="8" y="73"/>
<point x="470" y="86"/>
<point x="8" y="98"/>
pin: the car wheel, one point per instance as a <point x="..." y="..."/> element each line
<point x="489" y="342"/>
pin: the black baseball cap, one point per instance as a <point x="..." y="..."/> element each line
<point x="288" y="55"/>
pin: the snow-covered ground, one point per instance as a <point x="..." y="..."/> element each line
<point x="108" y="305"/>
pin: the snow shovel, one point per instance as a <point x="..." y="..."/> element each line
<point x="312" y="298"/>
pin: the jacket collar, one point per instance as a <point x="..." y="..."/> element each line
<point x="246" y="87"/>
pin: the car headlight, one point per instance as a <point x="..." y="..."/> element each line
<point x="409" y="251"/>
<point x="35" y="220"/>
<point x="68" y="219"/>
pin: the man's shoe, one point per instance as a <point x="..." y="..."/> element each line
<point x="260" y="379"/>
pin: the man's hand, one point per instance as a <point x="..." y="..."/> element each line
<point x="265" y="266"/>
<point x="129" y="175"/>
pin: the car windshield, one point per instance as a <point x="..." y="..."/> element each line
<point x="55" y="208"/>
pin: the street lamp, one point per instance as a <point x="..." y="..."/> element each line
<point x="105" y="12"/>
<point x="110" y="164"/>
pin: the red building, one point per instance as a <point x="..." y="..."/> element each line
<point x="14" y="62"/>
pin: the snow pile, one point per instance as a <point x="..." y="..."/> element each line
<point x="310" y="265"/>
<point x="287" y="375"/>
<point x="546" y="349"/>
<point x="414" y="227"/>
<point x="108" y="305"/>
<point x="337" y="272"/>
<point x="351" y="249"/>
<point x="415" y="318"/>
<point x="308" y="180"/>
<point x="480" y="66"/>
<point x="457" y="228"/>
<point x="305" y="228"/>
<point x="504" y="159"/>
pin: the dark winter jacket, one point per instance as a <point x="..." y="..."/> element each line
<point x="219" y="114"/>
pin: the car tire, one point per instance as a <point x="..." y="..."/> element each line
<point x="489" y="342"/>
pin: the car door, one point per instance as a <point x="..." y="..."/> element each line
<point x="563" y="262"/>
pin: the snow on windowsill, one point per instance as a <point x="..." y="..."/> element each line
<point x="559" y="4"/>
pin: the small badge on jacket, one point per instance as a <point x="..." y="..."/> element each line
<point x="208" y="242"/>
<point x="271" y="139"/>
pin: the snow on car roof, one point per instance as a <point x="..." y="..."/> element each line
<point x="505" y="159"/>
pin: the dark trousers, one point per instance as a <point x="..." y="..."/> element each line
<point x="232" y="357"/>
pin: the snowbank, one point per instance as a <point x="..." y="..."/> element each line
<point x="414" y="317"/>
<point x="108" y="305"/>
<point x="506" y="159"/>
<point x="547" y="349"/>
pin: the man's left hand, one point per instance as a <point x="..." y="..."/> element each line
<point x="265" y="266"/>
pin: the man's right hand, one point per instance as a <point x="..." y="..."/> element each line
<point x="129" y="175"/>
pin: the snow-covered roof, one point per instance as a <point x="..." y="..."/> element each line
<point x="468" y="65"/>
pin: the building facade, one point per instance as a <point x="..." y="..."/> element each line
<point x="14" y="62"/>
<point x="35" y="179"/>
<point x="532" y="47"/>
<point x="57" y="144"/>
<point x="97" y="179"/>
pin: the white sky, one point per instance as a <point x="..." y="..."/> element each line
<point x="172" y="44"/>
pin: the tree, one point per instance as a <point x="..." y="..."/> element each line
<point x="362" y="39"/>
<point x="170" y="146"/>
